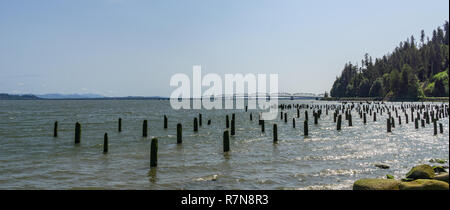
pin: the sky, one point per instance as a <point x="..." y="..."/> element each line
<point x="133" y="47"/>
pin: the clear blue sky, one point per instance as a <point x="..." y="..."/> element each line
<point x="133" y="47"/>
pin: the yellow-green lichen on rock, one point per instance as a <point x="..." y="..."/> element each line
<point x="421" y="172"/>
<point x="424" y="184"/>
<point x="442" y="177"/>
<point x="376" y="184"/>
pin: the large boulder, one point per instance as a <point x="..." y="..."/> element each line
<point x="424" y="184"/>
<point x="421" y="172"/>
<point x="439" y="169"/>
<point x="376" y="184"/>
<point x="442" y="177"/>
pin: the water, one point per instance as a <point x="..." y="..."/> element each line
<point x="30" y="158"/>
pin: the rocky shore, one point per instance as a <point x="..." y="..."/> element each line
<point x="420" y="177"/>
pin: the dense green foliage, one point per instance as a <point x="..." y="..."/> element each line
<point x="413" y="70"/>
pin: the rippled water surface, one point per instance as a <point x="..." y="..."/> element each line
<point x="30" y="158"/>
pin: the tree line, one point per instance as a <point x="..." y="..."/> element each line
<point x="415" y="69"/>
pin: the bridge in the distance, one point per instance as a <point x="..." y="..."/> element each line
<point x="280" y="96"/>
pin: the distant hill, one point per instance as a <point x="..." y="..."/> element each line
<point x="69" y="96"/>
<point x="4" y="96"/>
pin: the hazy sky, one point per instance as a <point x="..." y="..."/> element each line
<point x="133" y="47"/>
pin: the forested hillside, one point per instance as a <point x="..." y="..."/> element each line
<point x="415" y="69"/>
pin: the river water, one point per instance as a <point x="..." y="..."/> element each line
<point x="31" y="158"/>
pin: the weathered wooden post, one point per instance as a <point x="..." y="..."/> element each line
<point x="334" y="117"/>
<point x="232" y="127"/>
<point x="144" y="128"/>
<point x="246" y="108"/>
<point x="55" y="129"/>
<point x="227" y="122"/>
<point x="305" y="128"/>
<point x="275" y="133"/>
<point x="262" y="126"/>
<point x="306" y="115"/>
<point x="285" y="117"/>
<point x="392" y="122"/>
<point x="423" y="123"/>
<point x="120" y="125"/>
<point x="298" y="113"/>
<point x="364" y="118"/>
<point x="195" y="125"/>
<point x="406" y="118"/>
<point x="200" y="120"/>
<point x="350" y="123"/>
<point x="179" y="133"/>
<point x="154" y="153"/>
<point x="374" y="116"/>
<point x="293" y="122"/>
<point x="316" y="119"/>
<point x="399" y="120"/>
<point x="226" y="141"/>
<point x="435" y="127"/>
<point x="165" y="122"/>
<point x="389" y="129"/>
<point x="209" y="122"/>
<point x="339" y="121"/>
<point x="441" y="128"/>
<point x="105" y="143"/>
<point x="416" y="122"/>
<point x="77" y="133"/>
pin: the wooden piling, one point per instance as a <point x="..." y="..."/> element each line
<point x="305" y="128"/>
<point x="200" y="120"/>
<point x="55" y="129"/>
<point x="154" y="153"/>
<point x="364" y="118"/>
<point x="227" y="122"/>
<point x="293" y="122"/>
<point x="262" y="126"/>
<point x="165" y="122"/>
<point x="144" y="128"/>
<point x="275" y="133"/>
<point x="226" y="141"/>
<point x="388" y="121"/>
<point x="339" y="121"/>
<point x="350" y="123"/>
<point x="179" y="133"/>
<point x="105" y="143"/>
<point x="232" y="127"/>
<point x="441" y="128"/>
<point x="120" y="125"/>
<point x="77" y="133"/>
<point x="195" y="125"/>
<point x="435" y="127"/>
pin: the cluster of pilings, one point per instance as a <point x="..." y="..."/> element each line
<point x="425" y="114"/>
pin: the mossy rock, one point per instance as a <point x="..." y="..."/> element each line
<point x="421" y="172"/>
<point x="439" y="169"/>
<point x="424" y="184"/>
<point x="376" y="184"/>
<point x="382" y="166"/>
<point x="442" y="177"/>
<point x="437" y="160"/>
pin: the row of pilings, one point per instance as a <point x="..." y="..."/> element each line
<point x="425" y="114"/>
